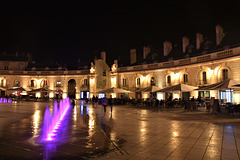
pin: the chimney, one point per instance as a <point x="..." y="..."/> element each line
<point x="185" y="43"/>
<point x="199" y="40"/>
<point x="103" y="56"/>
<point x="146" y="51"/>
<point x="219" y="34"/>
<point x="133" y="56"/>
<point x="167" y="47"/>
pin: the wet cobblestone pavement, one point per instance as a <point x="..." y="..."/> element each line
<point x="127" y="133"/>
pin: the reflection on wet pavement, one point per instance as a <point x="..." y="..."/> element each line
<point x="126" y="133"/>
<point x="79" y="135"/>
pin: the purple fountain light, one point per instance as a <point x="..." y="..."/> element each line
<point x="4" y="100"/>
<point x="9" y="101"/>
<point x="52" y="122"/>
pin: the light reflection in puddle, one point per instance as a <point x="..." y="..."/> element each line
<point x="36" y="119"/>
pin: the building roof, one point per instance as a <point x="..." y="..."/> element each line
<point x="230" y="40"/>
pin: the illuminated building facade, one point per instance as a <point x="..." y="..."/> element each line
<point x="206" y="62"/>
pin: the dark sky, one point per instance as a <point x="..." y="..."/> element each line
<point x="65" y="31"/>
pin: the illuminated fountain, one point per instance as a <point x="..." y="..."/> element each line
<point x="9" y="101"/>
<point x="5" y="100"/>
<point x="51" y="123"/>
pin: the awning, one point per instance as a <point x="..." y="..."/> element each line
<point x="148" y="89"/>
<point x="114" y="90"/>
<point x="224" y="85"/>
<point x="178" y="87"/>
<point x="41" y="90"/>
<point x="16" y="89"/>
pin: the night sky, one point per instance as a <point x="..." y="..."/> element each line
<point x="66" y="31"/>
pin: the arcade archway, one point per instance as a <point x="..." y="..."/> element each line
<point x="72" y="88"/>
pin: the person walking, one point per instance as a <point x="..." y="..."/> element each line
<point x="96" y="100"/>
<point x="93" y="100"/>
<point x="110" y="102"/>
<point x="104" y="102"/>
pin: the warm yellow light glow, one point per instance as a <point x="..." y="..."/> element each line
<point x="75" y="114"/>
<point x="51" y="95"/>
<point x="176" y="75"/>
<point x="159" y="96"/>
<point x="64" y="95"/>
<point x="92" y="81"/>
<point x="216" y="70"/>
<point x="91" y="123"/>
<point x="113" y="81"/>
<point x="210" y="71"/>
<point x="147" y="77"/>
<point x="176" y="95"/>
<point x="23" y="93"/>
<point x="77" y="95"/>
<point x="175" y="134"/>
<point x="38" y="82"/>
<point x="144" y="95"/>
<point x="236" y="98"/>
<point x="36" y="118"/>
<point x="113" y="95"/>
<point x="38" y="94"/>
<point x="143" y="128"/>
<point x="213" y="94"/>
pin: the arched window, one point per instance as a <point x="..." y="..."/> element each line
<point x="124" y="82"/>
<point x="153" y="81"/>
<point x="44" y="83"/>
<point x="85" y="82"/>
<point x="169" y="80"/>
<point x="204" y="77"/>
<point x="225" y="74"/>
<point x="3" y="83"/>
<point x="185" y="78"/>
<point x="32" y="83"/>
<point x="138" y="82"/>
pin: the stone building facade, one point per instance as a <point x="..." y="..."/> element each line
<point x="197" y="70"/>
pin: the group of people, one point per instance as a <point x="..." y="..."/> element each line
<point x="94" y="100"/>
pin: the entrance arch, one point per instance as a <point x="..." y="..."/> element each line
<point x="72" y="88"/>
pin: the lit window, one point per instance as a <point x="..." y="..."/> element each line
<point x="124" y="82"/>
<point x="138" y="82"/>
<point x="32" y="83"/>
<point x="204" y="77"/>
<point x="185" y="78"/>
<point x="85" y="81"/>
<point x="153" y="81"/>
<point x="44" y="83"/>
<point x="225" y="74"/>
<point x="169" y="80"/>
